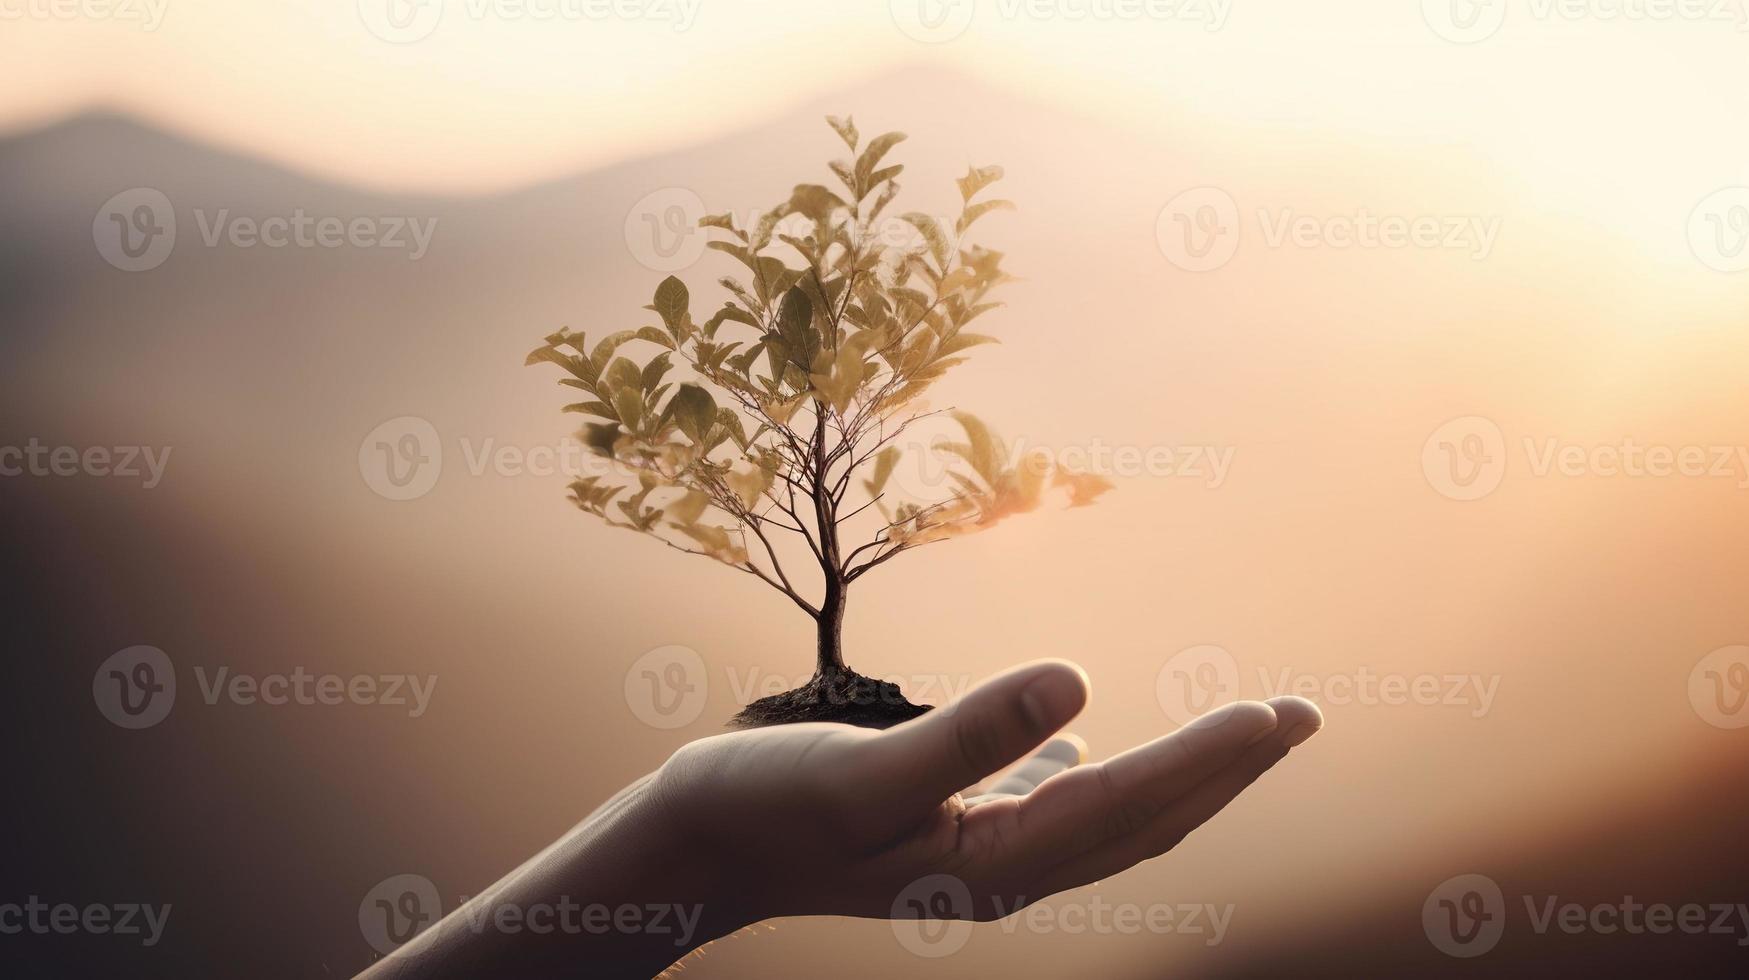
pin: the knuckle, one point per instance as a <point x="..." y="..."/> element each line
<point x="1126" y="818"/>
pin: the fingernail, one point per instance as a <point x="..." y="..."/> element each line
<point x="1299" y="733"/>
<point x="1065" y="748"/>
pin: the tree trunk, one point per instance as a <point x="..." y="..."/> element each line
<point x="830" y="661"/>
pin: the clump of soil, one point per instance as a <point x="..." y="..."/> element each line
<point x="846" y="697"/>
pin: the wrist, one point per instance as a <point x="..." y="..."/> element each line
<point x="624" y="893"/>
<point x="645" y="881"/>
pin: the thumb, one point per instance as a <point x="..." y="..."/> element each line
<point x="928" y="759"/>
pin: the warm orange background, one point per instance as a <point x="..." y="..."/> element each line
<point x="1326" y="550"/>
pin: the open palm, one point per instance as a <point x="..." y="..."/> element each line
<point x="829" y="819"/>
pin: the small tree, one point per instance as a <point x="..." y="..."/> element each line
<point x="803" y="383"/>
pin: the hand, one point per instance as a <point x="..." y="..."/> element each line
<point x="828" y="819"/>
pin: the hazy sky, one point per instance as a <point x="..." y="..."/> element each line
<point x="469" y="95"/>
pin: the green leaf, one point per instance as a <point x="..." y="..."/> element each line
<point x="653" y="372"/>
<point x="689" y="508"/>
<point x="795" y="324"/>
<point x="742" y="363"/>
<point x="655" y="336"/>
<point x="980" y="449"/>
<point x="612" y="342"/>
<point x="730" y="422"/>
<point x="725" y="221"/>
<point x="840" y="384"/>
<point x="622" y="374"/>
<point x="601" y="409"/>
<point x="694" y="410"/>
<point x="885" y="460"/>
<point x="584" y="374"/>
<point x="814" y="201"/>
<point x="978" y="178"/>
<point x="629" y="403"/>
<point x="872" y="154"/>
<point x="600" y="436"/>
<point x="716" y="542"/>
<point x="671" y="305"/>
<point x="881" y="176"/>
<point x="932" y="234"/>
<point x="961" y="341"/>
<point x="980" y="209"/>
<point x="729" y="312"/>
<point x="748" y="485"/>
<point x="846" y="176"/>
<point x="845" y="128"/>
